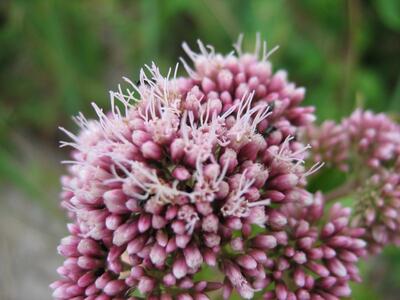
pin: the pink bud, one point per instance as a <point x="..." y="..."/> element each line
<point x="210" y="223"/>
<point x="67" y="250"/>
<point x="348" y="256"/>
<point x="89" y="247"/>
<point x="139" y="137"/>
<point x="113" y="221"/>
<point x="169" y="279"/>
<point x="328" y="230"/>
<point x="264" y="241"/>
<point x="89" y="263"/>
<point x="258" y="255"/>
<point x="158" y="222"/>
<point x="227" y="290"/>
<point x="151" y="150"/>
<point x="172" y="211"/>
<point x="115" y="201"/>
<point x="339" y="241"/>
<point x="114" y="287"/>
<point x="193" y="257"/>
<point x="276" y="219"/>
<point x="178" y="227"/>
<point x="157" y="255"/>
<point x="278" y="81"/>
<point x="234" y="223"/>
<point x="200" y="296"/>
<point x="300" y="257"/>
<point x="182" y="240"/>
<point x="306" y="242"/>
<point x="224" y="79"/>
<point x="342" y="290"/>
<point x="136" y="244"/>
<point x="133" y="205"/>
<point x="215" y="106"/>
<point x="137" y="272"/>
<point x="328" y="282"/>
<point x="177" y="149"/>
<point x="125" y="233"/>
<point x="102" y="281"/>
<point x="171" y="246"/>
<point x="284" y="182"/>
<point x="336" y="267"/>
<point x="281" y="291"/>
<point x="186" y="283"/>
<point x="229" y="158"/>
<point x="181" y="173"/>
<point x="146" y="285"/>
<point x="249" y="151"/>
<point x="299" y="277"/>
<point x="210" y="257"/>
<point x="318" y="269"/>
<point x="144" y="222"/>
<point x="246" y="261"/>
<point x="208" y="85"/>
<point x="86" y="279"/>
<point x="212" y="240"/>
<point x="237" y="244"/>
<point x="162" y="238"/>
<point x="179" y="268"/>
<point x="275" y="196"/>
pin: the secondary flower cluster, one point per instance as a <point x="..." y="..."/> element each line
<point x="366" y="145"/>
<point x="187" y="174"/>
<point x="314" y="259"/>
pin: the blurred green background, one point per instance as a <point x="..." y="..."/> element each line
<point x="58" y="56"/>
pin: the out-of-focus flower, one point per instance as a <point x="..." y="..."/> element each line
<point x="375" y="138"/>
<point x="378" y="210"/>
<point x="367" y="146"/>
<point x="179" y="171"/>
<point x="363" y="140"/>
<point x="329" y="143"/>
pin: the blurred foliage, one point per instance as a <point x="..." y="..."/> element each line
<point x="57" y="56"/>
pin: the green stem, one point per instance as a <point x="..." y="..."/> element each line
<point x="341" y="191"/>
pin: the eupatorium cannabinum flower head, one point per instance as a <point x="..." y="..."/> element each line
<point x="182" y="172"/>
<point x="367" y="146"/>
<point x="207" y="171"/>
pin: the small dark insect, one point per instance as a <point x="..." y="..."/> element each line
<point x="152" y="80"/>
<point x="271" y="106"/>
<point x="270" y="129"/>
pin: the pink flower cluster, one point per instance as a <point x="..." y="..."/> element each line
<point x="188" y="174"/>
<point x="315" y="258"/>
<point x="366" y="145"/>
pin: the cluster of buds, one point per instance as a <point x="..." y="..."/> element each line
<point x="378" y="209"/>
<point x="366" y="145"/>
<point x="316" y="253"/>
<point x="363" y="140"/>
<point x="207" y="171"/>
<point x="329" y="143"/>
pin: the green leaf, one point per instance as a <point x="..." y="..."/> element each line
<point x="389" y="12"/>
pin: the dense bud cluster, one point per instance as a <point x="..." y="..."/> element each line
<point x="205" y="172"/>
<point x="315" y="258"/>
<point x="366" y="145"/>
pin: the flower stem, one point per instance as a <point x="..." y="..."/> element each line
<point x="341" y="191"/>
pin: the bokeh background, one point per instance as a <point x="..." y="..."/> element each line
<point x="57" y="56"/>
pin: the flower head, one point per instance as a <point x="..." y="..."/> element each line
<point x="178" y="175"/>
<point x="378" y="209"/>
<point x="367" y="146"/>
